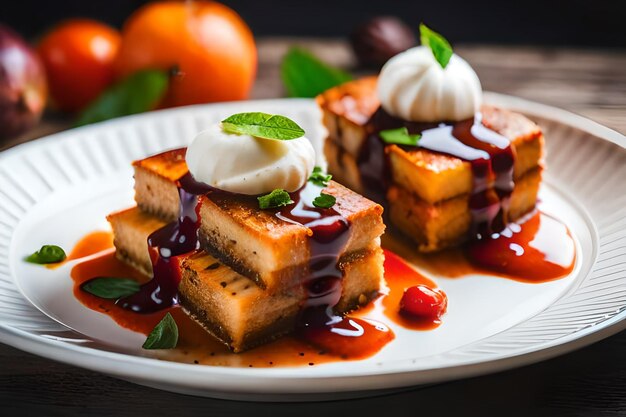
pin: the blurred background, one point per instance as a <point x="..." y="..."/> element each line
<point x="75" y="62"/>
<point x="548" y="22"/>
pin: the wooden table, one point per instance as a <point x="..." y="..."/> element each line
<point x="589" y="382"/>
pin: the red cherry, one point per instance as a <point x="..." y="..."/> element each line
<point x="424" y="302"/>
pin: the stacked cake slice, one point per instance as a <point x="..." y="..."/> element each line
<point x="245" y="285"/>
<point x="428" y="192"/>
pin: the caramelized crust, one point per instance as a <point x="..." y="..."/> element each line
<point x="354" y="101"/>
<point x="169" y="165"/>
<point x="346" y="110"/>
<point x="514" y="126"/>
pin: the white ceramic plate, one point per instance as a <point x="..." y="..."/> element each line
<point x="57" y="189"/>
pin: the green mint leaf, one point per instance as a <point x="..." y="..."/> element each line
<point x="276" y="198"/>
<point x="324" y="201"/>
<point x="399" y="136"/>
<point x="48" y="254"/>
<point x="304" y="75"/>
<point x="262" y="125"/>
<point x="438" y="45"/>
<point x="319" y="177"/>
<point x="111" y="288"/>
<point x="164" y="335"/>
<point x="138" y="93"/>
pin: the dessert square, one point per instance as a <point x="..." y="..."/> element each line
<point x="230" y="306"/>
<point x="427" y="192"/>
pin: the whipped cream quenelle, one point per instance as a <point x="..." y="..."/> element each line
<point x="413" y="86"/>
<point x="249" y="165"/>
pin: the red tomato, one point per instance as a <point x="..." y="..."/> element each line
<point x="79" y="57"/>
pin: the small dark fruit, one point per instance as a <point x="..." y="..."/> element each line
<point x="380" y="38"/>
<point x="23" y="89"/>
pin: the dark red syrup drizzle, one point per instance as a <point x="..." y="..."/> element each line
<point x="318" y="324"/>
<point x="489" y="153"/>
<point x="329" y="237"/>
<point x="165" y="245"/>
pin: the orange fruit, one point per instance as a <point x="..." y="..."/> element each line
<point x="79" y="57"/>
<point x="210" y="45"/>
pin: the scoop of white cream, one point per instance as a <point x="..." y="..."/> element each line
<point x="248" y="165"/>
<point x="413" y="86"/>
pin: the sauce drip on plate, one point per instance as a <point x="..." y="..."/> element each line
<point x="399" y="276"/>
<point x="538" y="248"/>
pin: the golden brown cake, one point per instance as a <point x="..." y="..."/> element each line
<point x="230" y="306"/>
<point x="428" y="192"/>
<point x="247" y="283"/>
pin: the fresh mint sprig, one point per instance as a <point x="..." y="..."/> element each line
<point x="399" y="136"/>
<point x="438" y="45"/>
<point x="277" y="198"/>
<point x="324" y="201"/>
<point x="262" y="125"/>
<point x="48" y="254"/>
<point x="111" y="288"/>
<point x="164" y="335"/>
<point x="319" y="177"/>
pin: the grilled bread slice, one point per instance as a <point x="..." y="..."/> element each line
<point x="242" y="315"/>
<point x="230" y="306"/>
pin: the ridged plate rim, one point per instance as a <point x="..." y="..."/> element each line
<point x="235" y="382"/>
